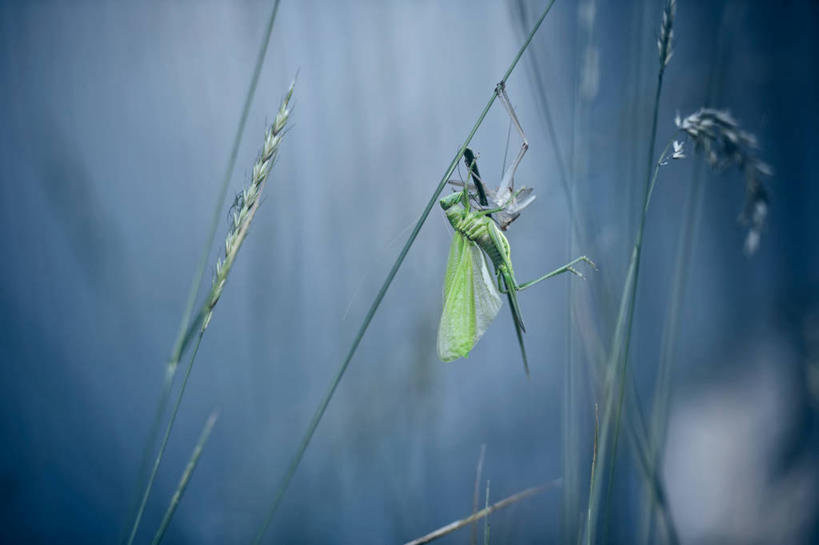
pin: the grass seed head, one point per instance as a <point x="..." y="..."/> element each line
<point x="666" y="33"/>
<point x="246" y="203"/>
<point x="717" y="136"/>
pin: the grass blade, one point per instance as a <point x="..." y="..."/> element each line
<point x="311" y="428"/>
<point x="186" y="476"/>
<point x="473" y="540"/>
<point x="155" y="468"/>
<point x="185" y="324"/>
<point x="593" y="475"/>
<point x="458" y="524"/>
<point x="619" y="358"/>
<point x="244" y="210"/>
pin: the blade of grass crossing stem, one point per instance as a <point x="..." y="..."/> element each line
<point x="158" y="459"/>
<point x="311" y="428"/>
<point x="183" y="336"/>
<point x="186" y="476"/>
<point x="458" y="524"/>
<point x="244" y="210"/>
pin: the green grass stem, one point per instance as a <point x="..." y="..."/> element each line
<point x="186" y="477"/>
<point x="325" y="401"/>
<point x="243" y="211"/>
<point x="685" y="249"/>
<point x="625" y="320"/>
<point x="155" y="468"/>
<point x="593" y="474"/>
<point x="185" y="324"/>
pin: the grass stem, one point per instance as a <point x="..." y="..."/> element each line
<point x="186" y="476"/>
<point x="185" y="323"/>
<point x="473" y="540"/>
<point x="625" y="320"/>
<point x="244" y="209"/>
<point x="593" y="475"/>
<point x="163" y="444"/>
<point x="325" y="401"/>
<point x="458" y="524"/>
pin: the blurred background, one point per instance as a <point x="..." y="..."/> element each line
<point x="118" y="120"/>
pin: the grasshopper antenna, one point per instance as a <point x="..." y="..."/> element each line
<point x="472" y="164"/>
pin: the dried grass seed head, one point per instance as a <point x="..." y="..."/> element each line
<point x="717" y="135"/>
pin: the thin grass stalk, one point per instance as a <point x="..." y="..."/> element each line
<point x="625" y="320"/>
<point x="622" y="365"/>
<point x="486" y="518"/>
<point x="637" y="434"/>
<point x="685" y="249"/>
<point x="325" y="401"/>
<point x="637" y="431"/>
<point x="155" y="468"/>
<point x="244" y="210"/>
<point x="581" y="97"/>
<point x="570" y="497"/>
<point x="458" y="524"/>
<point x="593" y="474"/>
<point x="473" y="540"/>
<point x="576" y="235"/>
<point x="185" y="323"/>
<point x="664" y="45"/>
<point x="669" y="336"/>
<point x="640" y="448"/>
<point x="571" y="449"/>
<point x="186" y="476"/>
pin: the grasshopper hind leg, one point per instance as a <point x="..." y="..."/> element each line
<point x="506" y="284"/>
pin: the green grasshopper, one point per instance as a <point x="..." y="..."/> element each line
<point x="471" y="296"/>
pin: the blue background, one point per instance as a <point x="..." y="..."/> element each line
<point x="117" y="122"/>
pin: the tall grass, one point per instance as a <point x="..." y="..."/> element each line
<point x="713" y="133"/>
<point x="187" y="325"/>
<point x="575" y="233"/>
<point x="621" y="345"/>
<point x="716" y="136"/>
<point x="594" y="351"/>
<point x="244" y="209"/>
<point x="689" y="228"/>
<point x="185" y="479"/>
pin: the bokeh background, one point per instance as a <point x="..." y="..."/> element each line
<point x="117" y="121"/>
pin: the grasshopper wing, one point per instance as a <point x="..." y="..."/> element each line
<point x="487" y="298"/>
<point x="471" y="300"/>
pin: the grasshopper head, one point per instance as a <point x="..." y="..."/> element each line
<point x="451" y="200"/>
